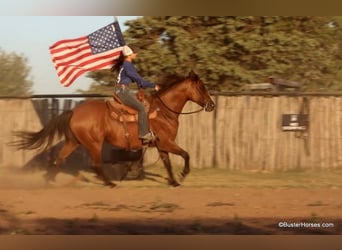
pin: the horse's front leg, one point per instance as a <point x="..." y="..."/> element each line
<point x="173" y="148"/>
<point x="186" y="169"/>
<point x="167" y="163"/>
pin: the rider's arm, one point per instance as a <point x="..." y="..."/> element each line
<point x="133" y="74"/>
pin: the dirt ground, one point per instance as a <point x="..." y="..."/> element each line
<point x="72" y="206"/>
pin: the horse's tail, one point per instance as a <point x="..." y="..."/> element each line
<point x="59" y="126"/>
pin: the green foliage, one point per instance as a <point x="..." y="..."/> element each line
<point x="14" y="74"/>
<point x="229" y="52"/>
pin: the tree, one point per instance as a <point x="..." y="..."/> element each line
<point x="229" y="52"/>
<point x="14" y="75"/>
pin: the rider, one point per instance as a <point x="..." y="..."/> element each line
<point x="126" y="75"/>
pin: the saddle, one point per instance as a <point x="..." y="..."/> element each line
<point x="123" y="113"/>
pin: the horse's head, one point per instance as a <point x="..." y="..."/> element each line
<point x="199" y="93"/>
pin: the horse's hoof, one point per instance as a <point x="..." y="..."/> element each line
<point x="111" y="185"/>
<point x="49" y="178"/>
<point x="182" y="177"/>
<point x="47" y="183"/>
<point x="174" y="183"/>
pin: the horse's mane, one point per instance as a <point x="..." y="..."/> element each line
<point x="167" y="81"/>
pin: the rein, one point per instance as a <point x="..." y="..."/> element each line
<point x="179" y="113"/>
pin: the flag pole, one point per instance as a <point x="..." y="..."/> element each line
<point x="116" y="20"/>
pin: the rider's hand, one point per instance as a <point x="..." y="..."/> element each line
<point x="156" y="88"/>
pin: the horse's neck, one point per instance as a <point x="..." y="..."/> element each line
<point x="175" y="98"/>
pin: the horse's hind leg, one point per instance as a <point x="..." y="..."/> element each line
<point x="100" y="174"/>
<point x="66" y="150"/>
<point x="95" y="153"/>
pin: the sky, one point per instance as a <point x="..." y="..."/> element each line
<point x="31" y="37"/>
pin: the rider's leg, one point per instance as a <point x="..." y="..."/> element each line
<point x="130" y="100"/>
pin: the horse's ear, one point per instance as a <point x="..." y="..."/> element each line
<point x="192" y="75"/>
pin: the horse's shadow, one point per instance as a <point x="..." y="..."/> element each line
<point x="118" y="164"/>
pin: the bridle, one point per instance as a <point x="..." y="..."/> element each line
<point x="178" y="113"/>
<point x="182" y="113"/>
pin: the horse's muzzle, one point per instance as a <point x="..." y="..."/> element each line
<point x="209" y="106"/>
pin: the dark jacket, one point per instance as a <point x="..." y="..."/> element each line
<point x="129" y="74"/>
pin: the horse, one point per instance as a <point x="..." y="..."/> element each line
<point x="91" y="124"/>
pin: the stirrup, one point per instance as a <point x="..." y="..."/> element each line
<point x="150" y="137"/>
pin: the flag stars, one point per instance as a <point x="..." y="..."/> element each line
<point x="102" y="40"/>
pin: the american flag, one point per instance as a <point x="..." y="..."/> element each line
<point x="73" y="57"/>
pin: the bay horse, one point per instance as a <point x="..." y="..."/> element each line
<point x="91" y="124"/>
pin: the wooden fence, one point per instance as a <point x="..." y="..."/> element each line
<point x="243" y="133"/>
<point x="16" y="115"/>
